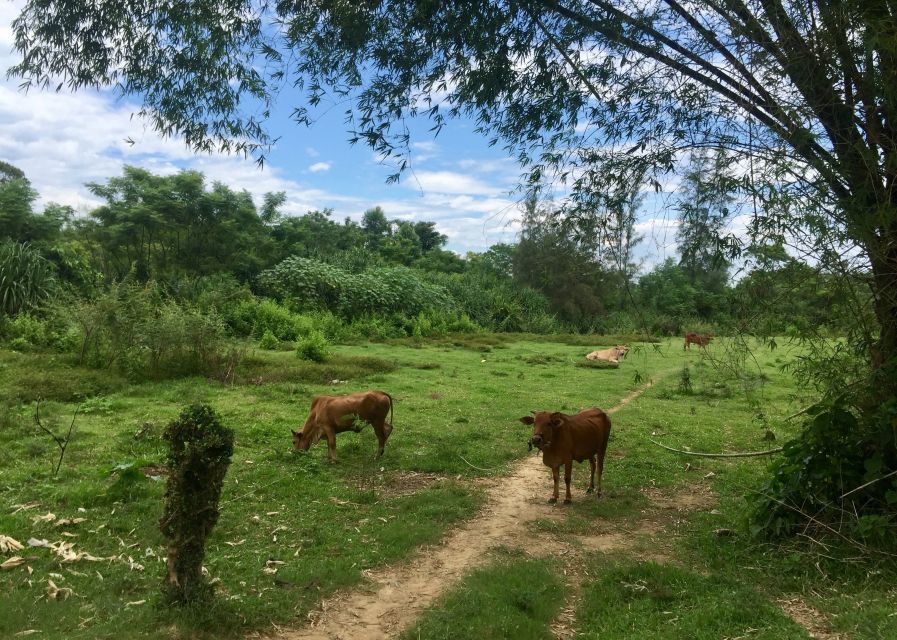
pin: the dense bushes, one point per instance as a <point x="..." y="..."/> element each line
<point x="312" y="285"/>
<point x="838" y="474"/>
<point x="138" y="330"/>
<point x="387" y="302"/>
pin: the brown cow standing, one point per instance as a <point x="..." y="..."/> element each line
<point x="702" y="340"/>
<point x="563" y="439"/>
<point x="331" y="415"/>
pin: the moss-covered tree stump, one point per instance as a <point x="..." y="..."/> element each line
<point x="200" y="449"/>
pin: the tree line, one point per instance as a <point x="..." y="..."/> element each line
<point x="175" y="228"/>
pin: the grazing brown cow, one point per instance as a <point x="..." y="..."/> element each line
<point x="700" y="339"/>
<point x="331" y="415"/>
<point x="610" y="355"/>
<point x="563" y="439"/>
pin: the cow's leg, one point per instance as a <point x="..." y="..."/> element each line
<point x="600" y="471"/>
<point x="381" y="437"/>
<point x="331" y="444"/>
<point x="568" y="472"/>
<point x="592" y="475"/>
<point x="556" y="474"/>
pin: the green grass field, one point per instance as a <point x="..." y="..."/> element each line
<point x="457" y="402"/>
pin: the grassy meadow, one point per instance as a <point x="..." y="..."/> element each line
<point x="294" y="528"/>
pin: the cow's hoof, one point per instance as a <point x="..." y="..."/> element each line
<point x="552" y="500"/>
<point x="567" y="501"/>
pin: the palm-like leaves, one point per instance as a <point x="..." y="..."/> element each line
<point x="26" y="277"/>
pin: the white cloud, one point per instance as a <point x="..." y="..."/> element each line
<point x="450" y="182"/>
<point x="320" y="166"/>
<point x="425" y="146"/>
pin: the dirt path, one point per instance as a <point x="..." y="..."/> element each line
<point x="397" y="595"/>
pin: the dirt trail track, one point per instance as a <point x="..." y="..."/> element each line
<point x="398" y="594"/>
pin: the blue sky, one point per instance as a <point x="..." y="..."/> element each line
<point x="62" y="141"/>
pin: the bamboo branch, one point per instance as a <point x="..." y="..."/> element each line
<point x="863" y="486"/>
<point x="748" y="454"/>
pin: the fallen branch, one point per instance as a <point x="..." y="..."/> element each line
<point x="476" y="467"/>
<point x="749" y="454"/>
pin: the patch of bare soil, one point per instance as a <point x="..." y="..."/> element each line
<point x="404" y="484"/>
<point x="401" y="483"/>
<point x="695" y="497"/>
<point x="395" y="596"/>
<point x="154" y="470"/>
<point x="809" y="618"/>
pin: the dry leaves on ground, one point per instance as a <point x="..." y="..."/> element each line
<point x="8" y="544"/>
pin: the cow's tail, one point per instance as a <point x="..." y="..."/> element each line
<point x="390" y="410"/>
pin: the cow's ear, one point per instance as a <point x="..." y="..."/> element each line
<point x="296" y="433"/>
<point x="527" y="420"/>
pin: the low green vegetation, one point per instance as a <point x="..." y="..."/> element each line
<point x="294" y="528"/>
<point x="650" y="600"/>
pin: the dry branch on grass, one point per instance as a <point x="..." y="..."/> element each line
<point x="62" y="443"/>
<point x="748" y="454"/>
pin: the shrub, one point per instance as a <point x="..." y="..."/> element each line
<point x="314" y="347"/>
<point x="307" y="284"/>
<point x="135" y="328"/>
<point x="841" y="465"/>
<point x="685" y="385"/>
<point x="26" y="278"/>
<point x="199" y="454"/>
<point x="269" y="341"/>
<point x="26" y="331"/>
<point x="312" y="285"/>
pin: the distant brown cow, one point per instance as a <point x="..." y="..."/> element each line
<point x="331" y="415"/>
<point x="610" y="355"/>
<point x="700" y="339"/>
<point x="563" y="439"/>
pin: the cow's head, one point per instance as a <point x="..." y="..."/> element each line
<point x="622" y="350"/>
<point x="309" y="435"/>
<point x="545" y="423"/>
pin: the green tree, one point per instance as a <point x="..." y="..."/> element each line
<point x="402" y="246"/>
<point x="550" y="259"/>
<point x="376" y="227"/>
<point x="315" y="234"/>
<point x="667" y="291"/>
<point x="705" y="206"/>
<point x="10" y="172"/>
<point x="428" y="236"/>
<point x="168" y="226"/>
<point x="497" y="260"/>
<point x="16" y="214"/>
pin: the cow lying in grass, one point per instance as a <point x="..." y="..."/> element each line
<point x="563" y="439"/>
<point x="610" y="355"/>
<point x="331" y="415"/>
